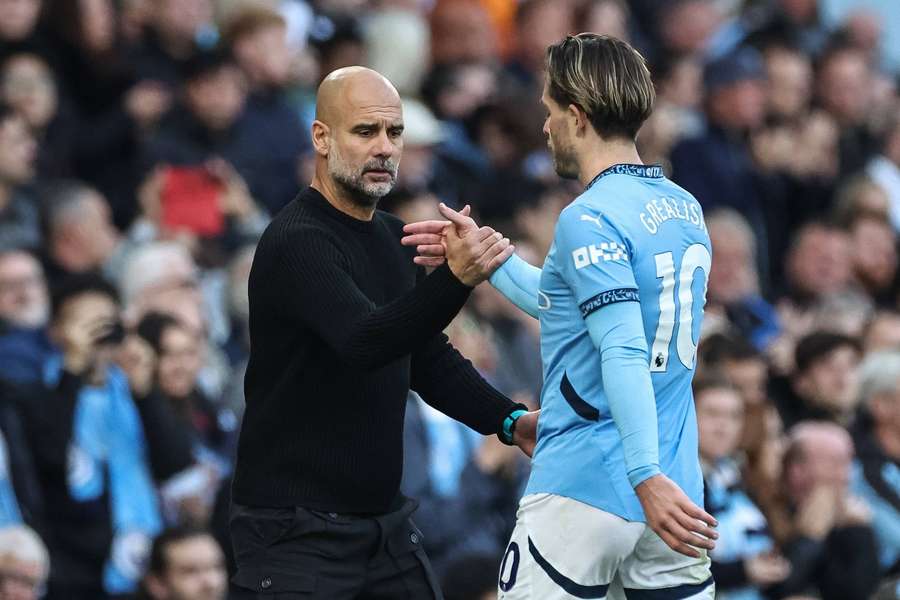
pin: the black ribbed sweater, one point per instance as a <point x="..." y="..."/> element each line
<point x="342" y="326"/>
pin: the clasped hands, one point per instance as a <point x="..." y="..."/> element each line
<point x="473" y="253"/>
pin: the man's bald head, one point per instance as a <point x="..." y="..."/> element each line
<point x="357" y="135"/>
<point x="342" y="89"/>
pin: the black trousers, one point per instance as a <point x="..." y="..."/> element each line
<point x="295" y="553"/>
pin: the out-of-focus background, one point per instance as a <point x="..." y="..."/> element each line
<point x="145" y="144"/>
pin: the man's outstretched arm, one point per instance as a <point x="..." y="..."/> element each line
<point x="517" y="280"/>
<point x="449" y="382"/>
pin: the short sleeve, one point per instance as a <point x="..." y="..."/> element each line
<point x="594" y="259"/>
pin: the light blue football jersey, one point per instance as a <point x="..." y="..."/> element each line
<point x="633" y="235"/>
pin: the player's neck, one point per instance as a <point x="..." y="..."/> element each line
<point x="604" y="155"/>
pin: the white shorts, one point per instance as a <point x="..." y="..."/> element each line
<point x="564" y="549"/>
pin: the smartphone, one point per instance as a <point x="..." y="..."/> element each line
<point x="190" y="200"/>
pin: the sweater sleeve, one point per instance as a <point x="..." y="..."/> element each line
<point x="450" y="383"/>
<point x="321" y="294"/>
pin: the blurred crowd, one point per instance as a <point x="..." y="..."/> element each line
<point x="144" y="145"/>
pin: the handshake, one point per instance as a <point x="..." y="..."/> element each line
<point x="473" y="253"/>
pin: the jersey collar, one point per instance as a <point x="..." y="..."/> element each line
<point x="649" y="171"/>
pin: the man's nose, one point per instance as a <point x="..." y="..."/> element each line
<point x="385" y="146"/>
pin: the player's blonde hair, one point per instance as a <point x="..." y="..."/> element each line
<point x="606" y="78"/>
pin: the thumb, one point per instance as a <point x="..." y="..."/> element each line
<point x="465" y="210"/>
<point x="463" y="223"/>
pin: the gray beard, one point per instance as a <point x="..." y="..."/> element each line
<point x="360" y="193"/>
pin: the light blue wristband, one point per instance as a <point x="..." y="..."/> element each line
<point x="509" y="426"/>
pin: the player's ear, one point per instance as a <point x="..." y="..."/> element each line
<point x="579" y="118"/>
<point x="321" y="137"/>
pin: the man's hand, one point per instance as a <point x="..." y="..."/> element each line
<point x="525" y="433"/>
<point x="138" y="359"/>
<point x="819" y="512"/>
<point x="473" y="253"/>
<point x="78" y="335"/>
<point x="681" y="524"/>
<point x="427" y="237"/>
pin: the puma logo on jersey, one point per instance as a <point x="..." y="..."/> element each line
<point x="595" y="220"/>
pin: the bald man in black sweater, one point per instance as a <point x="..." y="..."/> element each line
<point x="342" y="326"/>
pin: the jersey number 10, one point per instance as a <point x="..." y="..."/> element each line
<point x="695" y="257"/>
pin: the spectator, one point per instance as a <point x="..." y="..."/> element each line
<point x="19" y="224"/>
<point x="90" y="453"/>
<point x="115" y="107"/>
<point x="258" y="38"/>
<point x="686" y="26"/>
<point x="29" y="86"/>
<point x="860" y="196"/>
<point x="340" y="45"/>
<point x="790" y="75"/>
<point x="736" y="361"/>
<point x="460" y="33"/>
<point x="844" y="84"/>
<point x="24" y="311"/>
<point x="678" y="111"/>
<point x="24" y="564"/>
<point x="882" y="332"/>
<point x="745" y="557"/>
<point x="884" y="169"/>
<point x="874" y="243"/>
<point x="18" y="24"/>
<point x="606" y="17"/>
<point x="824" y="384"/>
<point x="831" y="547"/>
<point x="458" y="479"/>
<point x="539" y="23"/>
<point x="169" y="438"/>
<point x="845" y="313"/>
<point x="733" y="285"/>
<point x="179" y="358"/>
<point x="454" y="93"/>
<point x="798" y="21"/>
<point x="215" y="126"/>
<point x="818" y="263"/>
<point x="24" y="302"/>
<point x="186" y="564"/>
<point x="80" y="235"/>
<point x="421" y="133"/>
<point x="397" y="44"/>
<point x="169" y="41"/>
<point x="717" y="167"/>
<point x="878" y="452"/>
<point x="163" y="277"/>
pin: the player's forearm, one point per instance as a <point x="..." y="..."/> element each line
<point x="617" y="332"/>
<point x="519" y="282"/>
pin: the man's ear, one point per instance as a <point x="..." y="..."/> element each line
<point x="321" y="137"/>
<point x="579" y="119"/>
